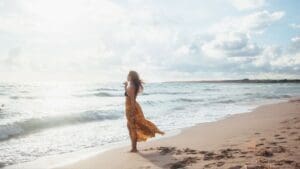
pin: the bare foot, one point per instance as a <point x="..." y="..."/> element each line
<point x="161" y="132"/>
<point x="133" y="150"/>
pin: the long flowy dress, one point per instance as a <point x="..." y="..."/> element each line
<point x="143" y="128"/>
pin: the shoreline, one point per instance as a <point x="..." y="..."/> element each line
<point x="54" y="161"/>
<point x="242" y="132"/>
<point x="94" y="154"/>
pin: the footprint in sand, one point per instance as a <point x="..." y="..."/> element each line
<point x="244" y="152"/>
<point x="202" y="152"/>
<point x="280" y="138"/>
<point x="288" y="162"/>
<point x="278" y="149"/>
<point x="208" y="156"/>
<point x="220" y="163"/>
<point x="178" y="152"/>
<point x="255" y="167"/>
<point x="184" y="162"/>
<point x="166" y="150"/>
<point x="148" y="149"/>
<point x="262" y="139"/>
<point x="260" y="144"/>
<point x="209" y="165"/>
<point x="235" y="167"/>
<point x="264" y="152"/>
<point x="189" y="151"/>
<point x="285" y="121"/>
<point x="262" y="160"/>
<point x="296" y="120"/>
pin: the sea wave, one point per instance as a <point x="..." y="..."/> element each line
<point x="276" y="97"/>
<point x="178" y="100"/>
<point x="226" y="101"/>
<point x="189" y="100"/>
<point x="211" y="89"/>
<point x="100" y="94"/>
<point x="120" y="94"/>
<point x="106" y="94"/>
<point x="37" y="124"/>
<point x="107" y="89"/>
<point x="165" y="93"/>
<point x="22" y="97"/>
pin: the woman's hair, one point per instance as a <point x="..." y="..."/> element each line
<point x="137" y="82"/>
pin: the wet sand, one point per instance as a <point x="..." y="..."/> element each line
<point x="266" y="138"/>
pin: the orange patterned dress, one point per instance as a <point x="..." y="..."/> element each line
<point x="144" y="128"/>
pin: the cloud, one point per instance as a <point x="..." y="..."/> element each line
<point x="247" y="4"/>
<point x="255" y="22"/>
<point x="161" y="40"/>
<point x="281" y="59"/>
<point x="270" y="53"/>
<point x="232" y="37"/>
<point x="231" y="44"/>
<point x="294" y="47"/>
<point x="295" y="26"/>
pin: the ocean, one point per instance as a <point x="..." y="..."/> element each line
<point x="43" y="119"/>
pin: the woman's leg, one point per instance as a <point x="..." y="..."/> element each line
<point x="133" y="137"/>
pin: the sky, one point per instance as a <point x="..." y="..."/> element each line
<point x="101" y="40"/>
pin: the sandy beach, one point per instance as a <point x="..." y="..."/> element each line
<point x="202" y="84"/>
<point x="267" y="137"/>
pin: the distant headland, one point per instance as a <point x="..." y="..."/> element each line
<point x="244" y="81"/>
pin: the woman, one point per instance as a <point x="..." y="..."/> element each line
<point x="139" y="128"/>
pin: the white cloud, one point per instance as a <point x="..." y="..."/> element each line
<point x="269" y="54"/>
<point x="296" y="39"/>
<point x="255" y="22"/>
<point x="58" y="16"/>
<point x="91" y="37"/>
<point x="261" y="20"/>
<point x="233" y="36"/>
<point x="295" y="26"/>
<point x="294" y="47"/>
<point x="247" y="4"/>
<point x="281" y="59"/>
<point x="231" y="44"/>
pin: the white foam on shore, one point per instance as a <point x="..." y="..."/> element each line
<point x="56" y="161"/>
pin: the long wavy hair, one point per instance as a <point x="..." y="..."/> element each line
<point x="137" y="82"/>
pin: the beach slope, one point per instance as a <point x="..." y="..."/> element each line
<point x="268" y="137"/>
